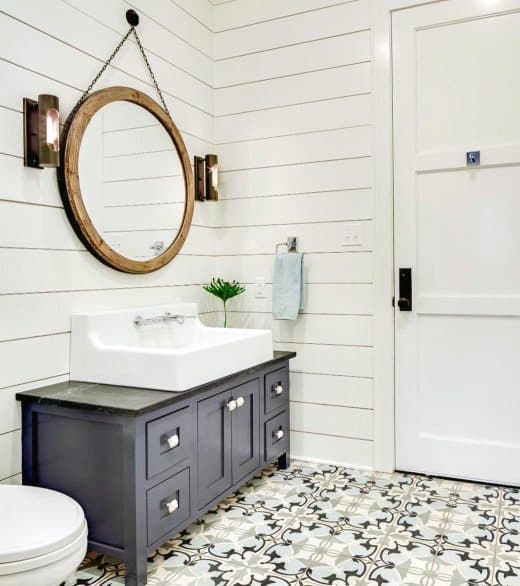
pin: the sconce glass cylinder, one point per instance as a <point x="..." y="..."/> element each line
<point x="48" y="130"/>
<point x="212" y="177"/>
<point x="42" y="132"/>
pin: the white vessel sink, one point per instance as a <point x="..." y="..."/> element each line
<point x="110" y="347"/>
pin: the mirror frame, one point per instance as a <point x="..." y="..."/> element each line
<point x="69" y="183"/>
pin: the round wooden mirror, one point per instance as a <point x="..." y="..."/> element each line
<point x="126" y="181"/>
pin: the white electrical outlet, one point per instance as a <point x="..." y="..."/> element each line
<point x="353" y="235"/>
<point x="260" y="288"/>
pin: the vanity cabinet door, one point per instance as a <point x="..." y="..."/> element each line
<point x="214" y="444"/>
<point x="246" y="429"/>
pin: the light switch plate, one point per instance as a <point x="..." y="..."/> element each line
<point x="260" y="288"/>
<point x="353" y="235"/>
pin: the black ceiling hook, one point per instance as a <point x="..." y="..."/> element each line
<point x="132" y="17"/>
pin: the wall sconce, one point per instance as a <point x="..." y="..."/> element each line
<point x="41" y="122"/>
<point x="206" y="178"/>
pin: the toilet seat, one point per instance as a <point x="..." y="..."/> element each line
<point x="38" y="527"/>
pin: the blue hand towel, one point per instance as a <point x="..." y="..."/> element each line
<point x="288" y="285"/>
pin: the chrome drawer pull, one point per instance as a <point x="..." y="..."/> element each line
<point x="172" y="506"/>
<point x="173" y="441"/>
<point x="240" y="402"/>
<point x="232" y="405"/>
<point x="278" y="389"/>
<point x="278" y="434"/>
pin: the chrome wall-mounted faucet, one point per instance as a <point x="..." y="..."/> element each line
<point x="139" y="320"/>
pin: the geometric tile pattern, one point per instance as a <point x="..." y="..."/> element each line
<point x="326" y="525"/>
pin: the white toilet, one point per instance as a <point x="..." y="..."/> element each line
<point x="43" y="536"/>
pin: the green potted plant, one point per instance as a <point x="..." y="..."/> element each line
<point x="224" y="290"/>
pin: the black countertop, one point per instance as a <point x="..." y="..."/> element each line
<point x="130" y="401"/>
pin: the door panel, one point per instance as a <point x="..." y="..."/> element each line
<point x="457" y="89"/>
<point x="214" y="443"/>
<point x="246" y="430"/>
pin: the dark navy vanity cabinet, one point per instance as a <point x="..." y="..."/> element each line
<point x="145" y="464"/>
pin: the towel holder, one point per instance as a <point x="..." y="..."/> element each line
<point x="291" y="244"/>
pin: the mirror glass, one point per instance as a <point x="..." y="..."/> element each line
<point x="131" y="179"/>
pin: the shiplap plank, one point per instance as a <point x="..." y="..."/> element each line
<point x="33" y="358"/>
<point x="331" y="390"/>
<point x="333" y="299"/>
<point x="171" y="43"/>
<point x="10" y="411"/>
<point x="293" y="60"/>
<point x="170" y="16"/>
<point x="11" y="456"/>
<point x="327" y="237"/>
<point x="229" y="15"/>
<point x="311" y="329"/>
<point x="332" y="420"/>
<point x="296" y="89"/>
<point x="202" y="10"/>
<point x="43" y="227"/>
<point x="11" y="137"/>
<point x="26" y="83"/>
<point x="301" y="28"/>
<point x="51" y="270"/>
<point x="287" y="150"/>
<point x="336" y="360"/>
<point x="287" y="120"/>
<point x="306" y="207"/>
<point x="342" y="451"/>
<point x="16" y="479"/>
<point x="319" y="268"/>
<point x="301" y="178"/>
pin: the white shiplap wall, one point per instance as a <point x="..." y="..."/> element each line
<point x="293" y="133"/>
<point x="45" y="273"/>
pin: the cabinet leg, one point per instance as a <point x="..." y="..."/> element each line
<point x="135" y="572"/>
<point x="284" y="461"/>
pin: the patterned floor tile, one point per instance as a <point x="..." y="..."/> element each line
<point x="315" y="525"/>
<point x="458" y="567"/>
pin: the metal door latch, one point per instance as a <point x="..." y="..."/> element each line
<point x="473" y="158"/>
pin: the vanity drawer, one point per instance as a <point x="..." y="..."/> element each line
<point x="169" y="440"/>
<point x="277" y="436"/>
<point x="276" y="390"/>
<point x="168" y="505"/>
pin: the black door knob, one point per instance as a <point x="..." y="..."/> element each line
<point x="404" y="304"/>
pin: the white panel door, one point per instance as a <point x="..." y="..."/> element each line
<point x="457" y="89"/>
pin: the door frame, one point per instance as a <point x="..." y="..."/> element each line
<point x="384" y="328"/>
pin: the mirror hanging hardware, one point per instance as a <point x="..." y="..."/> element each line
<point x="133" y="20"/>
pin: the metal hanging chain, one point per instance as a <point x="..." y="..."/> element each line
<point x="107" y="63"/>
<point x="141" y="48"/>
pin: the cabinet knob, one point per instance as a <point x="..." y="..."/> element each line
<point x="172" y="506"/>
<point x="278" y="434"/>
<point x="240" y="401"/>
<point x="278" y="389"/>
<point x="232" y="405"/>
<point x="173" y="441"/>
